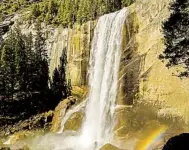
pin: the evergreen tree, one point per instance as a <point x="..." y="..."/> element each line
<point x="62" y="71"/>
<point x="52" y="11"/>
<point x="176" y="33"/>
<point x="85" y="11"/>
<point x="10" y="65"/>
<point x="24" y="75"/>
<point x="56" y="82"/>
<point x="20" y="46"/>
<point x="30" y="57"/>
<point x="41" y="61"/>
<point x="60" y="87"/>
<point x="67" y="13"/>
<point x="2" y="82"/>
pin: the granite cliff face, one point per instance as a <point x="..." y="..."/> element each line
<point x="77" y="43"/>
<point x="148" y="89"/>
<point x="158" y="85"/>
<point x="149" y="94"/>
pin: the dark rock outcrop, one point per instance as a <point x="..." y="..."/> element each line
<point x="179" y="142"/>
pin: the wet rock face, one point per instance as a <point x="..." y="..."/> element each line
<point x="143" y="77"/>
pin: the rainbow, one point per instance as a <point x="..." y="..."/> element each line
<point x="151" y="139"/>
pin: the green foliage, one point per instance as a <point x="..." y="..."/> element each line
<point x="67" y="12"/>
<point x="24" y="76"/>
<point x="9" y="64"/>
<point x="176" y="33"/>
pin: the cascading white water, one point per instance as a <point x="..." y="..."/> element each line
<point x="103" y="80"/>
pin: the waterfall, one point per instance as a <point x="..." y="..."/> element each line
<point x="103" y="80"/>
<point x="97" y="127"/>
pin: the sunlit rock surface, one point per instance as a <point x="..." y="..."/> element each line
<point x="158" y="86"/>
<point x="76" y="42"/>
<point x="147" y="89"/>
<point x="60" y="112"/>
<point x="109" y="147"/>
<point x="74" y="122"/>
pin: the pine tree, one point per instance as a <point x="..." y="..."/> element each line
<point x="59" y="17"/>
<point x="176" y="33"/>
<point x="56" y="82"/>
<point x="20" y="48"/>
<point x="62" y="71"/>
<point x="60" y="86"/>
<point x="2" y="82"/>
<point x="10" y="65"/>
<point x="67" y="13"/>
<point x="41" y="60"/>
<point x="30" y="57"/>
<point x="52" y="11"/>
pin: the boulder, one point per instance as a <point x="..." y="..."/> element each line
<point x="74" y="122"/>
<point x="60" y="112"/>
<point x="109" y="147"/>
<point x="79" y="92"/>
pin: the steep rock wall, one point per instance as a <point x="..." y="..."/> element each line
<point x="158" y="86"/>
<point x="147" y="89"/>
<point x="76" y="41"/>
